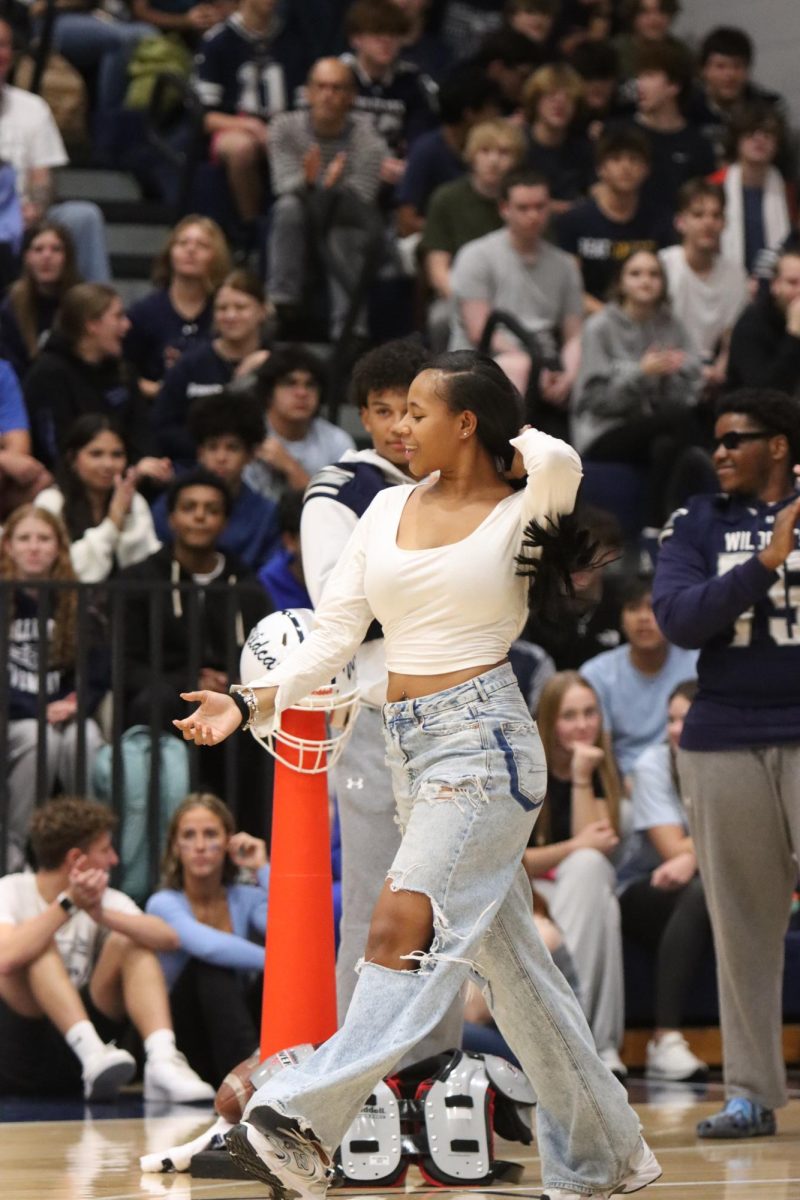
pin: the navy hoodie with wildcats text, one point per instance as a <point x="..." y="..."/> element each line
<point x="711" y="591"/>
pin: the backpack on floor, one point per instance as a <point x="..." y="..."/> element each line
<point x="135" y="747"/>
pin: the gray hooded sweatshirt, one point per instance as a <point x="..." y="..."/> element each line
<point x="612" y="388"/>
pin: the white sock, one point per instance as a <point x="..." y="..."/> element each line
<point x="160" y="1044"/>
<point x="84" y="1040"/>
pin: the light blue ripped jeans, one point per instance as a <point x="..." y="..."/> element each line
<point x="469" y="777"/>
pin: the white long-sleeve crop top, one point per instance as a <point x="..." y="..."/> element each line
<point x="442" y="609"/>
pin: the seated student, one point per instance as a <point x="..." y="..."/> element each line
<point x="638" y="385"/>
<point x="646" y="23"/>
<point x="760" y="207"/>
<point x="568" y="858"/>
<point x="82" y="370"/>
<point x="516" y="271"/>
<point x="96" y="497"/>
<point x="240" y="311"/>
<point x="29" y="307"/>
<point x="22" y="476"/>
<point x="423" y="46"/>
<point x="241" y="83"/>
<point x="226" y="429"/>
<point x="198" y="504"/>
<point x="464" y="210"/>
<point x="536" y="20"/>
<point x="214" y="974"/>
<point x="466" y="99"/>
<point x="326" y="165"/>
<point x="508" y="59"/>
<point x="707" y="291"/>
<point x="202" y="627"/>
<point x="635" y="680"/>
<point x="679" y="151"/>
<point x="765" y="343"/>
<point x="35" y="549"/>
<point x="725" y="85"/>
<point x="31" y="143"/>
<point x="178" y="315"/>
<point x="597" y="63"/>
<point x="282" y="576"/>
<point x="395" y="94"/>
<point x="551" y="103"/>
<point x="77" y="961"/>
<point x="616" y="219"/>
<point x="298" y="442"/>
<point x="661" y="894"/>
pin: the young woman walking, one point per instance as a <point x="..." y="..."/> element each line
<point x="437" y="564"/>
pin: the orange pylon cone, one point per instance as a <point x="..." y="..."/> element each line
<point x="299" y="997"/>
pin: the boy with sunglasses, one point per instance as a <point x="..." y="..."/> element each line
<point x="728" y="582"/>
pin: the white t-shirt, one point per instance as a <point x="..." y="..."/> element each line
<point x="79" y="940"/>
<point x="540" y="292"/>
<point x="705" y="306"/>
<point x="441" y="609"/>
<point x="323" y="444"/>
<point x="29" y="136"/>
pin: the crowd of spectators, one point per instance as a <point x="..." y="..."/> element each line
<point x="567" y="186"/>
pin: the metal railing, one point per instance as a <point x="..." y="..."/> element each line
<point x="103" y="619"/>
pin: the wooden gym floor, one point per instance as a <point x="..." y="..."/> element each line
<point x="97" y="1159"/>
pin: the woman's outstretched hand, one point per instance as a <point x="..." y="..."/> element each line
<point x="217" y="718"/>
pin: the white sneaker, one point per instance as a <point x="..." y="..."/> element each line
<point x="612" y="1060"/>
<point x="671" y="1058"/>
<point x="292" y="1164"/>
<point x="173" y="1079"/>
<point x="643" y="1168"/>
<point x="106" y="1071"/>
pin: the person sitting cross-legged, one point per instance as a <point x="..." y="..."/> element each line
<point x="77" y="961"/>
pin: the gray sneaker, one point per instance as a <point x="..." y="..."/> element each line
<point x="740" y="1118"/>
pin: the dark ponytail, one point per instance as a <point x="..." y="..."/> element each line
<point x="564" y="548"/>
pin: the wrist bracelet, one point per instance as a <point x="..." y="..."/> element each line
<point x="242" y="706"/>
<point x="66" y="903"/>
<point x="246" y="702"/>
<point x="582" y="783"/>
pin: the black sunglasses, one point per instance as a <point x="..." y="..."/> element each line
<point x="733" y="439"/>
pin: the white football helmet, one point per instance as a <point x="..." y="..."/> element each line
<point x="269" y="643"/>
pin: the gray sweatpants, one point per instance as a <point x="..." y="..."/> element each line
<point x="288" y="240"/>
<point x="584" y="906"/>
<point x="370" y="840"/>
<point x="744" y="815"/>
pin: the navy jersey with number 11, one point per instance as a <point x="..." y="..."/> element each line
<point x="237" y="72"/>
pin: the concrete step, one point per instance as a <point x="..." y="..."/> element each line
<point x="134" y="239"/>
<point x="88" y="183"/>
